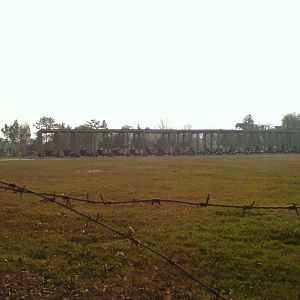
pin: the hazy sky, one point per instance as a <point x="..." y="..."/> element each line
<point x="207" y="63"/>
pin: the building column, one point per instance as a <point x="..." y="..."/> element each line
<point x="190" y="141"/>
<point x="123" y="143"/>
<point x="105" y="143"/>
<point x="73" y="143"/>
<point x="169" y="143"/>
<point x="217" y="141"/>
<point x="144" y="143"/>
<point x="211" y="142"/>
<point x="56" y="144"/>
<point x="225" y="142"/>
<point x="139" y="143"/>
<point x="94" y="134"/>
<point x="204" y="142"/>
<point x="40" y="143"/>
<point x="111" y="143"/>
<point x="298" y="143"/>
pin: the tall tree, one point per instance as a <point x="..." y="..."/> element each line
<point x="18" y="136"/>
<point x="11" y="132"/>
<point x="248" y="119"/>
<point x="104" y="125"/>
<point x="247" y="123"/>
<point x="24" y="137"/>
<point x="3" y="144"/>
<point x="45" y="123"/>
<point x="291" y="121"/>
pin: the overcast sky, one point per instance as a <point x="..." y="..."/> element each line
<point x="206" y="63"/>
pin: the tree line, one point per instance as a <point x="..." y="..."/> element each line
<point x="18" y="141"/>
<point x="289" y="121"/>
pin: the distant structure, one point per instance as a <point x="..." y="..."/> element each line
<point x="109" y="142"/>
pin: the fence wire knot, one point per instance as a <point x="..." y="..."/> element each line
<point x="103" y="200"/>
<point x="20" y="190"/>
<point x="156" y="201"/>
<point x="248" y="207"/>
<point x="66" y="199"/>
<point x="11" y="187"/>
<point x="294" y="206"/>
<point x="206" y="202"/>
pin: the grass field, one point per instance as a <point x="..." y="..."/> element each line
<point x="47" y="252"/>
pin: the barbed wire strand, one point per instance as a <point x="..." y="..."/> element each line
<point x="153" y="201"/>
<point x="52" y="199"/>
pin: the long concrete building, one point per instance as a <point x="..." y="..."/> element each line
<point x="94" y="142"/>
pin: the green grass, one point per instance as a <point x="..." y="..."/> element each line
<point x="47" y="252"/>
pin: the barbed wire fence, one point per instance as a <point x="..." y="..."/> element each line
<point x="65" y="201"/>
<point x="128" y="236"/>
<point x="155" y="201"/>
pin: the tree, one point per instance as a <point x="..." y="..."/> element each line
<point x="93" y="124"/>
<point x="291" y="121"/>
<point x="124" y="127"/>
<point x="163" y="124"/>
<point x="3" y="144"/>
<point x="24" y="137"/>
<point x="11" y="132"/>
<point x="187" y="126"/>
<point x="45" y="123"/>
<point x="49" y="123"/>
<point x="104" y="125"/>
<point x="62" y="126"/>
<point x="248" y="119"/>
<point x="18" y="136"/>
<point x="247" y="123"/>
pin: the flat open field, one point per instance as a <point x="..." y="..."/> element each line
<point x="48" y="252"/>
